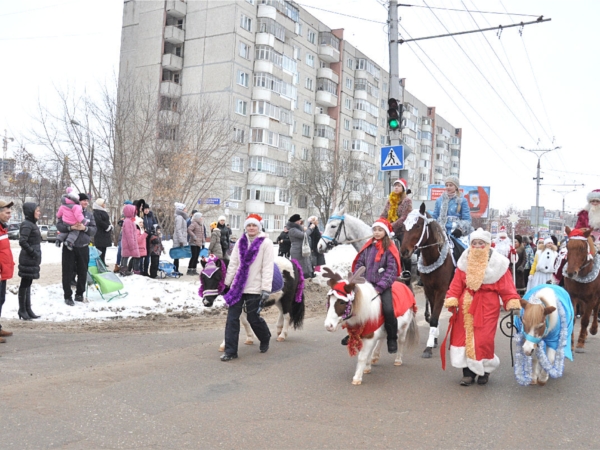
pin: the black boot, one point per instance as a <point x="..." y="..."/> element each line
<point x="22" y="308"/>
<point x="30" y="313"/>
<point x="390" y="322"/>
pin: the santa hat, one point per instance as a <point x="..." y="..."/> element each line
<point x="594" y="195"/>
<point x="577" y="234"/>
<point x="502" y="232"/>
<point x="402" y="181"/>
<point x="481" y="234"/>
<point x="255" y="219"/>
<point x="385" y="224"/>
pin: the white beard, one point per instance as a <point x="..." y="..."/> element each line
<point x="503" y="247"/>
<point x="594" y="216"/>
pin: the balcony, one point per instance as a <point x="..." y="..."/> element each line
<point x="325" y="98"/>
<point x="172" y="62"/>
<point x="328" y="54"/>
<point x="325" y="72"/>
<point x="174" y="35"/>
<point x="259" y="121"/>
<point x="324" y="119"/>
<point x="358" y="114"/>
<point x="454" y="159"/>
<point x="320" y="142"/>
<point x="267" y="11"/>
<point x="176" y="8"/>
<point x="426" y="127"/>
<point x="170" y="89"/>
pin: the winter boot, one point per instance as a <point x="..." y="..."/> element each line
<point x="391" y="329"/>
<point x="117" y="269"/>
<point x="30" y="313"/>
<point x="22" y="308"/>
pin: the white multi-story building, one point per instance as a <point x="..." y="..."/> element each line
<point x="295" y="89"/>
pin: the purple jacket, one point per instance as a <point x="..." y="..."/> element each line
<point x="380" y="280"/>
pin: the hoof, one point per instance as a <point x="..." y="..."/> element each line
<point x="374" y="360"/>
<point x="579" y="350"/>
<point x="356" y="382"/>
<point x="541" y="383"/>
<point x="397" y="363"/>
<point x="367" y="371"/>
<point x="427" y="353"/>
<point x="249" y="342"/>
<point x="533" y="382"/>
<point x="280" y="339"/>
<point x="593" y="331"/>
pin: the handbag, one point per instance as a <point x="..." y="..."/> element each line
<point x="181" y="252"/>
<point x="305" y="247"/>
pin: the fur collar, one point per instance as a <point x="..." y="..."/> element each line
<point x="496" y="268"/>
<point x="98" y="207"/>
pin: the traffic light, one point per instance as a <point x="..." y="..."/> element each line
<point x="394" y="111"/>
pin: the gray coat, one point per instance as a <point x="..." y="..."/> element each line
<point x="180" y="231"/>
<point x="296" y="234"/>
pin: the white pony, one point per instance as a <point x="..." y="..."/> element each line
<point x="356" y="303"/>
<point x="342" y="228"/>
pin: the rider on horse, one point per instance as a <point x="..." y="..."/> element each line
<point x="452" y="212"/>
<point x="397" y="208"/>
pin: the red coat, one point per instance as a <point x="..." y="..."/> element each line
<point x="7" y="264"/>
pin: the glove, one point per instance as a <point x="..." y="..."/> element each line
<point x="109" y="228"/>
<point x="264" y="296"/>
<point x="530" y="277"/>
<point x="457" y="233"/>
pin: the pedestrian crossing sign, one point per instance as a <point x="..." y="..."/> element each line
<point x="392" y="158"/>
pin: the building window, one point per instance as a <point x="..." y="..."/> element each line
<point x="243" y="78"/>
<point x="280" y="221"/>
<point x="346" y="144"/>
<point x="246" y="23"/>
<point x="302" y="201"/>
<point x="250" y="1"/>
<point x="305" y="130"/>
<point x="298" y="28"/>
<point x="311" y="36"/>
<point x="307" y="107"/>
<point x="238" y="135"/>
<point x="235" y="221"/>
<point x="284" y="196"/>
<point x="244" y="50"/>
<point x="310" y="60"/>
<point x="236" y="193"/>
<point x="305" y="153"/>
<point x="346" y="124"/>
<point x="297" y="53"/>
<point x="309" y="84"/>
<point x="237" y="164"/>
<point x="350" y="64"/>
<point x="348" y="103"/>
<point x="348" y="83"/>
<point x="241" y="107"/>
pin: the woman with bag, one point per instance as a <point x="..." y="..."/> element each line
<point x="300" y="244"/>
<point x="197" y="240"/>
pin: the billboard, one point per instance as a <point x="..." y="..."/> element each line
<point x="478" y="197"/>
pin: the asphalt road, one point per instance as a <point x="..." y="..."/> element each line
<point x="128" y="390"/>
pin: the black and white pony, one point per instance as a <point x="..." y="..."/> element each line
<point x="289" y="299"/>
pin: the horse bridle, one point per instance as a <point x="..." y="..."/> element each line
<point x="590" y="257"/>
<point x="535" y="339"/>
<point x="332" y="242"/>
<point x="426" y="222"/>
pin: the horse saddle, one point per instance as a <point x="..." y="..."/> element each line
<point x="277" y="279"/>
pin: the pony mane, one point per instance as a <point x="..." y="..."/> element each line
<point x="533" y="315"/>
<point x="579" y="249"/>
<point x="365" y="308"/>
<point x="437" y="231"/>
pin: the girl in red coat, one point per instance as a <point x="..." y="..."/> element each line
<point x="482" y="275"/>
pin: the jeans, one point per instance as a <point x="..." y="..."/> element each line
<point x="74" y="261"/>
<point x="232" y="327"/>
<point x="119" y="254"/>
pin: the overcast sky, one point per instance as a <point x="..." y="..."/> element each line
<point x="538" y="90"/>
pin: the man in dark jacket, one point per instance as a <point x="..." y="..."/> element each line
<point x="7" y="263"/>
<point x="103" y="237"/>
<point x="225" y="235"/>
<point x="77" y="260"/>
<point x="149" y="225"/>
<point x="283" y="240"/>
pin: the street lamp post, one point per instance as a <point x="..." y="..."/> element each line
<point x="539" y="153"/>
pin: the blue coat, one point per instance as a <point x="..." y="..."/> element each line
<point x="453" y="215"/>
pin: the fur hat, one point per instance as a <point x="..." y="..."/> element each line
<point x="454" y="180"/>
<point x="402" y="181"/>
<point x="253" y="219"/>
<point x="100" y="202"/>
<point x="295" y="218"/>
<point x="179" y="206"/>
<point x="213" y="225"/>
<point x="481" y="234"/>
<point x="83" y="196"/>
<point x="222" y="218"/>
<point x="385" y="224"/>
<point x="594" y="195"/>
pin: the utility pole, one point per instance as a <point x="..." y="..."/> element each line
<point x="564" y="193"/>
<point x="539" y="153"/>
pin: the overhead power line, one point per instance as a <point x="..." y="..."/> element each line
<point x="472" y="10"/>
<point x="342" y="14"/>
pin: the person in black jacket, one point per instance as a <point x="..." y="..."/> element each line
<point x="150" y="225"/>
<point x="103" y="237"/>
<point x="30" y="258"/>
<point x="318" y="259"/>
<point x="283" y="240"/>
<point x="225" y="235"/>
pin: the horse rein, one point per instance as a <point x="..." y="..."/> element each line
<point x="426" y="222"/>
<point x="332" y="242"/>
<point x="590" y="257"/>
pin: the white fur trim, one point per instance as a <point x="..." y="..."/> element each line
<point x="496" y="268"/>
<point x="480" y="233"/>
<point x="385" y="228"/>
<point x="594" y="195"/>
<point x="252" y="220"/>
<point x="458" y="359"/>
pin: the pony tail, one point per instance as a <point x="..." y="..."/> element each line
<point x="386" y="242"/>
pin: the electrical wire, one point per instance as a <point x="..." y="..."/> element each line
<point x="342" y="14"/>
<point x="50" y="37"/>
<point x="477" y="11"/>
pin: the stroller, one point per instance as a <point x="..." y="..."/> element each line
<point x="167" y="269"/>
<point x="101" y="278"/>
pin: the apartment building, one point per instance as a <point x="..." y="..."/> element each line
<point x="296" y="90"/>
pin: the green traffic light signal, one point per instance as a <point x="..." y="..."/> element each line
<point x="393" y="124"/>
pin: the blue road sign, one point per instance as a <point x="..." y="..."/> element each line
<point x="392" y="158"/>
<point x="209" y="201"/>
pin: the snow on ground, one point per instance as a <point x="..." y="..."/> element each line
<point x="144" y="295"/>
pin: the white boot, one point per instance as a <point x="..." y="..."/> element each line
<point x="433" y="333"/>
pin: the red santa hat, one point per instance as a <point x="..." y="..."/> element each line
<point x="502" y="232"/>
<point x="594" y="195"/>
<point x="402" y="181"/>
<point x="385" y="224"/>
<point x="255" y="219"/>
<point x="577" y="234"/>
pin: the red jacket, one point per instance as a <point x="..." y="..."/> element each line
<point x="7" y="264"/>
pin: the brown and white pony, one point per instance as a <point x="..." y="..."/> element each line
<point x="582" y="281"/>
<point x="429" y="237"/>
<point x="359" y="305"/>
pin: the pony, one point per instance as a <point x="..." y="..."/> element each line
<point x="546" y="327"/>
<point x="289" y="299"/>
<point x="342" y="228"/>
<point x="435" y="266"/>
<point x="356" y="304"/>
<point x="582" y="281"/>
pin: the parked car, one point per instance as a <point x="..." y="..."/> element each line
<point x="44" y="231"/>
<point x="13" y="230"/>
<point x="52" y="234"/>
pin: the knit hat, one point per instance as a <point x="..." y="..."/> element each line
<point x="197" y="216"/>
<point x="481" y="234"/>
<point x="402" y="181"/>
<point x="502" y="232"/>
<point x="548" y="241"/>
<point x="295" y="218"/>
<point x="100" y="202"/>
<point x="385" y="224"/>
<point x="71" y="194"/>
<point x="222" y="218"/>
<point x="179" y="206"/>
<point x="83" y="196"/>
<point x="213" y="225"/>
<point x="454" y="180"/>
<point x="253" y="219"/>
<point x="128" y="202"/>
<point x="594" y="195"/>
